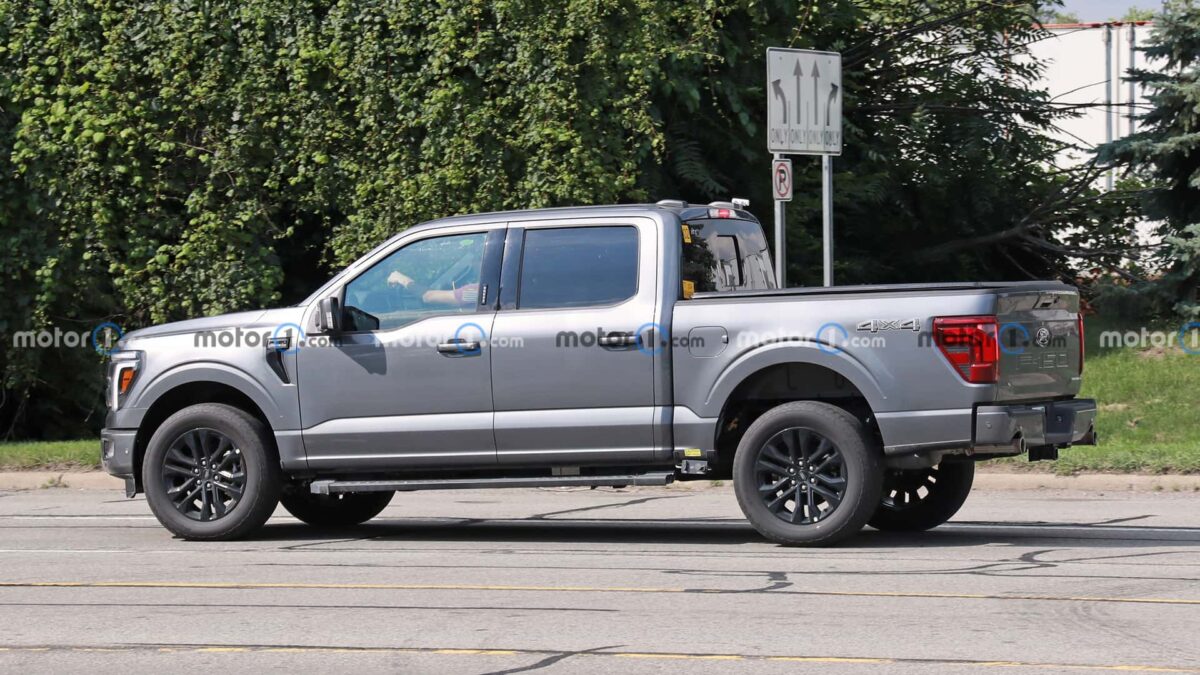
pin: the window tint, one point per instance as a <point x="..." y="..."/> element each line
<point x="727" y="255"/>
<point x="578" y="267"/>
<point x="432" y="276"/>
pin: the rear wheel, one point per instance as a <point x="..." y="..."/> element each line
<point x="806" y="474"/>
<point x="922" y="499"/>
<point x="340" y="510"/>
<point x="211" y="472"/>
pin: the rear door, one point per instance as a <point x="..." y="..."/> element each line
<point x="572" y="368"/>
<point x="1041" y="351"/>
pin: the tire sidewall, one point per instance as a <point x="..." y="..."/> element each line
<point x="862" y="468"/>
<point x="261" y="490"/>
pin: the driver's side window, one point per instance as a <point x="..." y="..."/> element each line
<point x="438" y="275"/>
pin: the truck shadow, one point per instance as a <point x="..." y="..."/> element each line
<point x="729" y="532"/>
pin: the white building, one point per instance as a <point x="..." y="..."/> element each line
<point x="1087" y="64"/>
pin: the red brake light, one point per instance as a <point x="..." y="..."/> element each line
<point x="720" y="213"/>
<point x="1079" y="321"/>
<point x="969" y="344"/>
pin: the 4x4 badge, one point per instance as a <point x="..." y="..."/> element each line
<point x="876" y="325"/>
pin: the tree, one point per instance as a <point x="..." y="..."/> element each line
<point x="1136" y="14"/>
<point x="1165" y="152"/>
<point x="172" y="158"/>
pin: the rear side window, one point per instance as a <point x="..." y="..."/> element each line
<point x="578" y="267"/>
<point x="726" y="255"/>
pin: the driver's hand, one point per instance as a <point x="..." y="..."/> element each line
<point x="398" y="278"/>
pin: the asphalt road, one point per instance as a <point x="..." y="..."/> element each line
<point x="628" y="581"/>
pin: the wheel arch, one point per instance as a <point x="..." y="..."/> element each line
<point x="168" y="395"/>
<point x="773" y="376"/>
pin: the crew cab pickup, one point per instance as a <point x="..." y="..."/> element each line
<point x="596" y="346"/>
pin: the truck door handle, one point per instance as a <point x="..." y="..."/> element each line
<point x="617" y="340"/>
<point x="459" y="346"/>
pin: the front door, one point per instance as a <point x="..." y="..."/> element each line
<point x="408" y="381"/>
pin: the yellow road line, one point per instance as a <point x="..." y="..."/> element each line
<point x="658" y="656"/>
<point x="233" y="585"/>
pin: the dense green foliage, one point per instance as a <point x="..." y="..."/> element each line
<point x="1165" y="153"/>
<point x="171" y="158"/>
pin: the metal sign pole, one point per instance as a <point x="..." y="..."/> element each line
<point x="780" y="236"/>
<point x="827" y="215"/>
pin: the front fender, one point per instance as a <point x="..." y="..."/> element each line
<point x="276" y="412"/>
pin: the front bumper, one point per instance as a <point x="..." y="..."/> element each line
<point x="1050" y="423"/>
<point x="116" y="451"/>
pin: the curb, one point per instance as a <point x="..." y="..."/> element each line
<point x="1089" y="482"/>
<point x="75" y="480"/>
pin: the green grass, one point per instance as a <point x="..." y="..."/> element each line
<point x="50" y="455"/>
<point x="1148" y="419"/>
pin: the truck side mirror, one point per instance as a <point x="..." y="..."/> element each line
<point x="329" y="316"/>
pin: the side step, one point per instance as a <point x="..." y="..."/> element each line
<point x="326" y="487"/>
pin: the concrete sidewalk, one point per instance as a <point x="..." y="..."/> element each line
<point x="984" y="480"/>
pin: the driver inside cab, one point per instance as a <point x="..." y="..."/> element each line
<point x="461" y="296"/>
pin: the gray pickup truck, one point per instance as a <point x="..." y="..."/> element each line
<point x="597" y="346"/>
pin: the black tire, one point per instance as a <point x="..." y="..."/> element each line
<point x="921" y="499"/>
<point x="811" y="442"/>
<point x="226" y="449"/>
<point x="340" y="510"/>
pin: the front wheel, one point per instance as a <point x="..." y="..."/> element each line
<point x="922" y="499"/>
<point x="806" y="474"/>
<point x="211" y="472"/>
<point x="340" y="510"/>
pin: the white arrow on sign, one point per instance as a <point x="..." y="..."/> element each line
<point x="790" y="131"/>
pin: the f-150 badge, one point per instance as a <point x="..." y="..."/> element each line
<point x="877" y="325"/>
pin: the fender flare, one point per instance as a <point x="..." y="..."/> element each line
<point x="792" y="352"/>
<point x="209" y="371"/>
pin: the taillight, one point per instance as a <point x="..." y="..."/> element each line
<point x="1079" y="325"/>
<point x="969" y="344"/>
<point x="720" y="213"/>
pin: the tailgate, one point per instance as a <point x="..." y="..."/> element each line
<point x="1041" y="352"/>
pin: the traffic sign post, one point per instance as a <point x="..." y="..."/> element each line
<point x="781" y="190"/>
<point x="804" y="117"/>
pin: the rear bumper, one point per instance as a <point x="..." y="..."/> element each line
<point x="1052" y="423"/>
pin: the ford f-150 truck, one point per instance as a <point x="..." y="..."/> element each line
<point x="596" y="346"/>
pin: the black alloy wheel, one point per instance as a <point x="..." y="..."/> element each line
<point x="921" y="499"/>
<point x="800" y="476"/>
<point x="204" y="474"/>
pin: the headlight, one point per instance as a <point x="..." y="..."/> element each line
<point x="122" y="371"/>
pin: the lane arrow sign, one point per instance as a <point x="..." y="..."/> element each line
<point x="816" y="76"/>
<point x="777" y="89"/>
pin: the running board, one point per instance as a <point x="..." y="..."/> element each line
<point x="327" y="487"/>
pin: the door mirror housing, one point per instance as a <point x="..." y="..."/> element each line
<point x="329" y="316"/>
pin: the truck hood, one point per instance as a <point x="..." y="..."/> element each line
<point x="266" y="319"/>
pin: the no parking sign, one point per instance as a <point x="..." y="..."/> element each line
<point x="781" y="179"/>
